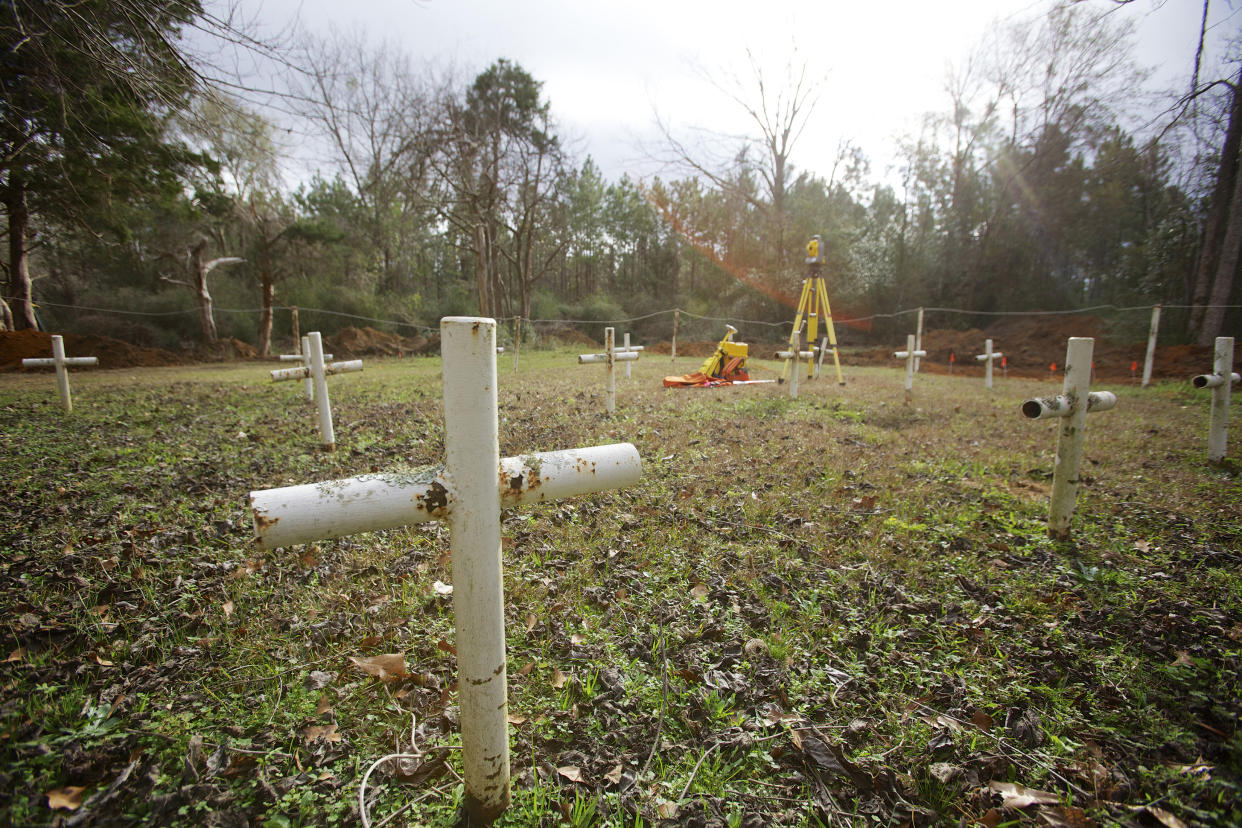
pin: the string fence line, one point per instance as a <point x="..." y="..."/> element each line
<point x="641" y="317"/>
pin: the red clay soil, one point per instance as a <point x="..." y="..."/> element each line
<point x="355" y="343"/>
<point x="1032" y="344"/>
<point x="112" y="353"/>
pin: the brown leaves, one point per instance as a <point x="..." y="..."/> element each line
<point x="388" y="667"/>
<point x="326" y="732"/>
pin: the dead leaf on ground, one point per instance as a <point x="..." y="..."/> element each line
<point x="441" y="588"/>
<point x="326" y="732"/>
<point x="68" y="798"/>
<point x="17" y="655"/>
<point x="572" y="773"/>
<point x="387" y="667"/>
<point x="100" y="660"/>
<point x="324" y="705"/>
<point x="446" y="647"/>
<point x="526" y="668"/>
<point x="1066" y="818"/>
<point x="558" y="678"/>
<point x="515" y="718"/>
<point x="614" y="775"/>
<point x="531" y="621"/>
<point x="698" y="591"/>
<point x="981" y="720"/>
<point x="577" y="638"/>
<point x="1183" y="660"/>
<point x="1162" y="816"/>
<point x="228" y="607"/>
<point x="1018" y="796"/>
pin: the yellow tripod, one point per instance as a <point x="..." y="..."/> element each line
<point x="813" y="304"/>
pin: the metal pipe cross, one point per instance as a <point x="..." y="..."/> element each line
<point x="469" y="492"/>
<point x="61" y="363"/>
<point x="304" y="358"/>
<point x="797" y="358"/>
<point x="1072" y="405"/>
<point x="986" y="358"/>
<point x="627" y="348"/>
<point x="610" y="357"/>
<point x="316" y="371"/>
<point x="1221" y="381"/>
<point x="910" y="355"/>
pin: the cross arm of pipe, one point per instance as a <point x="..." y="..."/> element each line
<point x="1210" y="380"/>
<point x="302" y="371"/>
<point x="47" y="362"/>
<point x="790" y="355"/>
<point x="317" y="511"/>
<point x="619" y="356"/>
<point x="906" y="354"/>
<point x="993" y="355"/>
<point x="1062" y="405"/>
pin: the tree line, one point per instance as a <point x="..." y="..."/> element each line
<point x="130" y="178"/>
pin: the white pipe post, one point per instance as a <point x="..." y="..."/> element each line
<point x="1221" y="381"/>
<point x="626" y="348"/>
<point x="61" y="363"/>
<point x="1072" y="407"/>
<point x="676" y="319"/>
<point x="472" y="452"/>
<point x="62" y="375"/>
<point x="610" y="382"/>
<point x="987" y="357"/>
<point x="469" y="492"/>
<point x="1151" y="345"/>
<point x="918" y="340"/>
<point x="819" y="363"/>
<point x="517" y="341"/>
<point x="327" y="437"/>
<point x="910" y="354"/>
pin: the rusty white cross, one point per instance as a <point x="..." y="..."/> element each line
<point x="910" y="355"/>
<point x="986" y="358"/>
<point x="61" y="363"/>
<point x="611" y="356"/>
<point x="469" y="492"/>
<point x="1221" y="381"/>
<point x="304" y="358"/>
<point x="1072" y="405"/>
<point x="797" y="360"/>
<point x="318" y="372"/>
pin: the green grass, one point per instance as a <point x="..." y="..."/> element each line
<point x="840" y="608"/>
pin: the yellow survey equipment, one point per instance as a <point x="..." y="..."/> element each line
<point x="724" y="367"/>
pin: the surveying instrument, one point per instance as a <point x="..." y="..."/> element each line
<point x="811" y="306"/>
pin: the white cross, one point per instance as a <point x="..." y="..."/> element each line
<point x="61" y="362"/>
<point x="304" y="358"/>
<point x="793" y="378"/>
<point x="1072" y="405"/>
<point x="910" y="355"/>
<point x="986" y="358"/>
<point x="611" y="356"/>
<point x="469" y="491"/>
<point x="628" y="348"/>
<point x="316" y="371"/>
<point x="1218" y="420"/>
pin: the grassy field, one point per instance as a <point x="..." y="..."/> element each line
<point x="837" y="610"/>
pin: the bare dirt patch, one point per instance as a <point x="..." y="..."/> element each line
<point x="112" y="353"/>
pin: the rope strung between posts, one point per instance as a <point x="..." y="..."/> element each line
<point x="842" y="320"/>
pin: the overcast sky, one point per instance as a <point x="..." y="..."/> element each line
<point x="608" y="67"/>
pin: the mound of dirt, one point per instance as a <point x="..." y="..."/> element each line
<point x="112" y="353"/>
<point x="355" y="343"/>
<point x="1032" y="344"/>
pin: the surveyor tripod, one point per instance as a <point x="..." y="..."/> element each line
<point x="811" y="307"/>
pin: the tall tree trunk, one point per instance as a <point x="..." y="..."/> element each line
<point x="483" y="270"/>
<point x="268" y="288"/>
<point x="1226" y="269"/>
<point x="1218" y="217"/>
<point x="206" y="317"/>
<point x="21" y="293"/>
